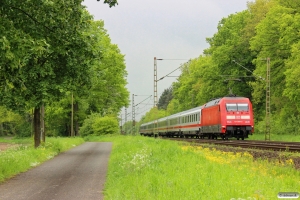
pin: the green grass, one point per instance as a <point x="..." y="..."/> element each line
<point x="148" y="168"/>
<point x="24" y="156"/>
<point x="273" y="137"/>
<point x="13" y="140"/>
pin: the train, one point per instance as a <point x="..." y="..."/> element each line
<point x="226" y="117"/>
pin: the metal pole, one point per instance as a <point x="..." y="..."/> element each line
<point x="121" y="127"/>
<point x="155" y="82"/>
<point x="125" y="120"/>
<point x="133" y="115"/>
<point x="268" y="102"/>
<point x="72" y="117"/>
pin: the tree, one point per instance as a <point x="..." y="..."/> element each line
<point x="229" y="50"/>
<point x="275" y="38"/>
<point x="108" y="93"/>
<point x="111" y="3"/>
<point x="153" y="114"/>
<point x="165" y="99"/>
<point x="43" y="53"/>
<point x="199" y="82"/>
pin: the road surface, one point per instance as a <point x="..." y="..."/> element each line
<point x="76" y="174"/>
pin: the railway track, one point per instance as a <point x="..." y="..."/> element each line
<point x="252" y="144"/>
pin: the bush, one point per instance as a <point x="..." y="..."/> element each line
<point x="279" y="126"/>
<point x="97" y="125"/>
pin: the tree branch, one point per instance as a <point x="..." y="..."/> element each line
<point x="31" y="17"/>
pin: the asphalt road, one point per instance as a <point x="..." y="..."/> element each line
<point x="76" y="174"/>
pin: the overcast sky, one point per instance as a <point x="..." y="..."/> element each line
<point x="165" y="29"/>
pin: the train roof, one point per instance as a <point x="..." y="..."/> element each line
<point x="186" y="112"/>
<point x="183" y="113"/>
<point x="216" y="101"/>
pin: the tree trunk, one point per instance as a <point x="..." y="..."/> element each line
<point x="76" y="108"/>
<point x="43" y="132"/>
<point x="37" y="127"/>
<point x="72" y="116"/>
<point x="1" y="129"/>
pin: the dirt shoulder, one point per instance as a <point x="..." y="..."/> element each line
<point x="4" y="146"/>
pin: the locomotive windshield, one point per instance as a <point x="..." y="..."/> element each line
<point x="231" y="107"/>
<point x="243" y="107"/>
<point x="237" y="107"/>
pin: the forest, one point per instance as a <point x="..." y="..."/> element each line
<point x="236" y="63"/>
<point x="59" y="70"/>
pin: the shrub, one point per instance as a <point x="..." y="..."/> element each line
<point x="97" y="125"/>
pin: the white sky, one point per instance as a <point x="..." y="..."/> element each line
<point x="166" y="29"/>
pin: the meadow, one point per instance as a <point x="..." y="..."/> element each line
<point x="148" y="168"/>
<point x="22" y="155"/>
<point x="275" y="137"/>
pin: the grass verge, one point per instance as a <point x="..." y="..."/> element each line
<point x="148" y="168"/>
<point x="24" y="156"/>
<point x="273" y="137"/>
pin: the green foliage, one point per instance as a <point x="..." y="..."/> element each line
<point x="52" y="49"/>
<point x="165" y="98"/>
<point x="173" y="106"/>
<point x="229" y="50"/>
<point x="198" y="83"/>
<point x="108" y="93"/>
<point x="95" y="124"/>
<point x="292" y="89"/>
<point x="111" y="3"/>
<point x="12" y="123"/>
<point x="153" y="114"/>
<point x="105" y="125"/>
<point x="58" y="117"/>
<point x="44" y="48"/>
<point x="277" y="37"/>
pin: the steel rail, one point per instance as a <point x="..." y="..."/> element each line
<point x="252" y="144"/>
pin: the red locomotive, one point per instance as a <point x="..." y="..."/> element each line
<point x="224" y="117"/>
